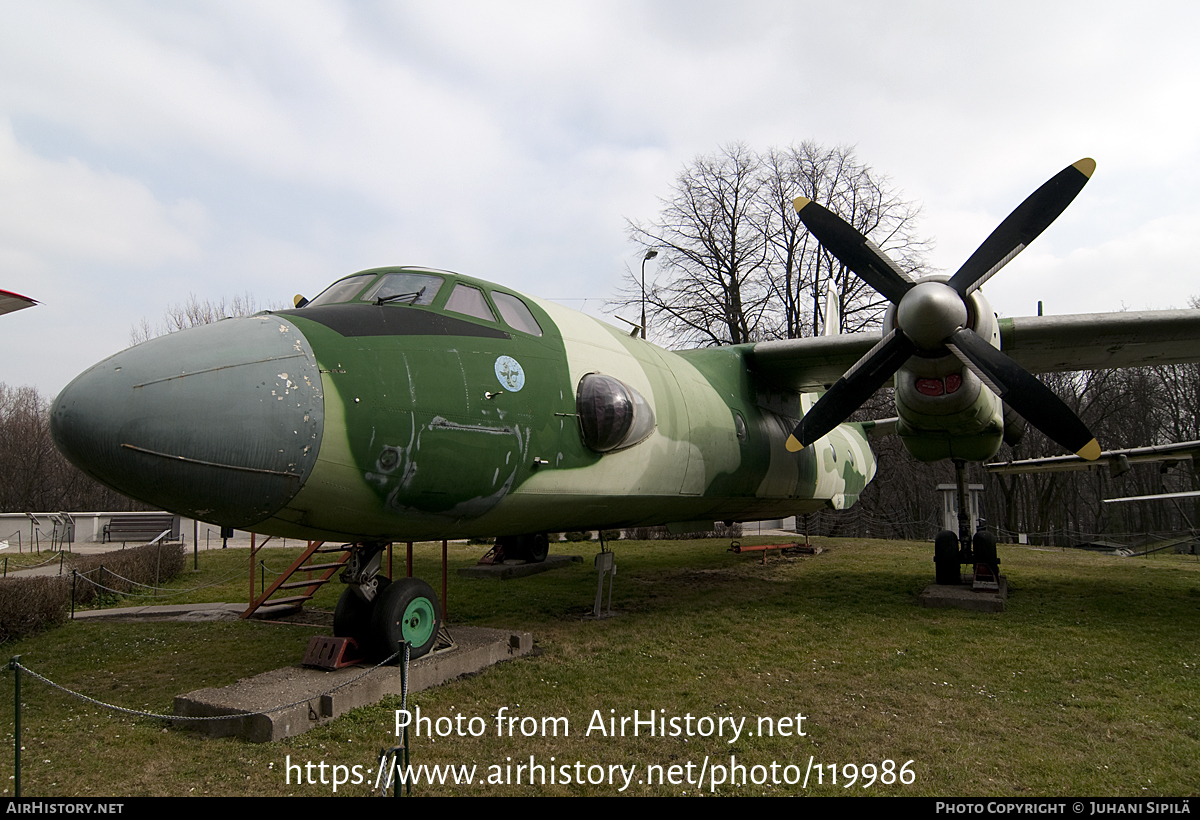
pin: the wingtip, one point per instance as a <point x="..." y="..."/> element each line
<point x="1085" y="166"/>
<point x="793" y="445"/>
<point x="799" y="202"/>
<point x="1089" y="451"/>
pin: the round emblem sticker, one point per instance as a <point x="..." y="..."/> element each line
<point x="510" y="374"/>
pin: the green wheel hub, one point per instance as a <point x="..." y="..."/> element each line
<point x="406" y="611"/>
<point x="420" y="621"/>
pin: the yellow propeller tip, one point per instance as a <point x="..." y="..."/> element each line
<point x="793" y="445"/>
<point x="1089" y="451"/>
<point x="799" y="202"/>
<point x="1085" y="166"/>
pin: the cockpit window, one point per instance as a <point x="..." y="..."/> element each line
<point x="468" y="300"/>
<point x="341" y="291"/>
<point x="405" y="289"/>
<point x="516" y="313"/>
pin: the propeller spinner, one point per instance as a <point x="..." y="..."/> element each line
<point x="933" y="315"/>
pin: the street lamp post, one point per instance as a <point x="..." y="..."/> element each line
<point x="650" y="254"/>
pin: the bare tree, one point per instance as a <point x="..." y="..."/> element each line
<point x="34" y="476"/>
<point x="802" y="270"/>
<point x="193" y="312"/>
<point x="741" y="267"/>
<point x="713" y="248"/>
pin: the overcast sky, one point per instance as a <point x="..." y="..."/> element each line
<point x="149" y="151"/>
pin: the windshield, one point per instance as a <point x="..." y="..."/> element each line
<point x="405" y="289"/>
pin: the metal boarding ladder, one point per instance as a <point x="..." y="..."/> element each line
<point x="283" y="580"/>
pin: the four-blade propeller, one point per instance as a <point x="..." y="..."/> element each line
<point x="933" y="315"/>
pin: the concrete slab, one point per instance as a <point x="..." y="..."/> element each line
<point x="311" y="697"/>
<point x="963" y="597"/>
<point x="518" y="569"/>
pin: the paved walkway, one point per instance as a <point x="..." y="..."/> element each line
<point x="166" y="612"/>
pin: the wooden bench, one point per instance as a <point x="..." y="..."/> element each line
<point x="141" y="527"/>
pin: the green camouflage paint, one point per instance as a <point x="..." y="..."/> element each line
<point x="425" y="438"/>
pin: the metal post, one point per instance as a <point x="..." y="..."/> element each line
<point x="404" y="650"/>
<point x="195" y="544"/>
<point x="410" y="559"/>
<point x="15" y="665"/>
<point x="443" y="581"/>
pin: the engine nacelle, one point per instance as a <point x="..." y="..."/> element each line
<point x="945" y="411"/>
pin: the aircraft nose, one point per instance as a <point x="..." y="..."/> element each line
<point x="221" y="422"/>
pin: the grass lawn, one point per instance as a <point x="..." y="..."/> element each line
<point x="1087" y="685"/>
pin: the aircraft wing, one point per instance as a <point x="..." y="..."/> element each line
<point x="811" y="363"/>
<point x="10" y="301"/>
<point x="1095" y="341"/>
<point x="1040" y="344"/>
<point x="1116" y="460"/>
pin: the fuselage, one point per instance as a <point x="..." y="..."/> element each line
<point x="406" y="403"/>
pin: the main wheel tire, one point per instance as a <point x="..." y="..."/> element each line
<point x="511" y="548"/>
<point x="539" y="548"/>
<point x="532" y="549"/>
<point x="945" y="558"/>
<point x="984" y="547"/>
<point x="407" y="610"/>
<point x="352" y="616"/>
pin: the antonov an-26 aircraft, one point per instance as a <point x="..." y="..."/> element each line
<point x="408" y="403"/>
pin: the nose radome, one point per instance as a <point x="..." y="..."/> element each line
<point x="222" y="422"/>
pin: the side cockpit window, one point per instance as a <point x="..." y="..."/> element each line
<point x="612" y="415"/>
<point x="470" y="302"/>
<point x="341" y="291"/>
<point x="516" y="313"/>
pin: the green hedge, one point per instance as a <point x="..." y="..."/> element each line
<point x="30" y="604"/>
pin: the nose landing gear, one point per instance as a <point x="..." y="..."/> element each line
<point x="378" y="613"/>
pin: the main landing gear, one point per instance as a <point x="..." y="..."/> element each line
<point x="378" y="613"/>
<point x="950" y="551"/>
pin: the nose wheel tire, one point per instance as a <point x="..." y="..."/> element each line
<point x="406" y="610"/>
<point x="352" y="617"/>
